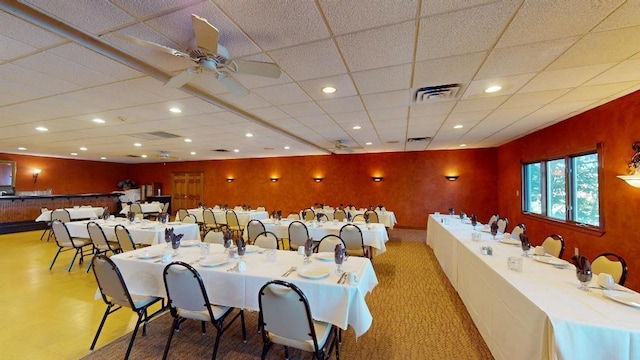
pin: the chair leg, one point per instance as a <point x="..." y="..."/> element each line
<point x="135" y="332"/>
<point x="44" y="232"/>
<point x="171" y="330"/>
<point x="104" y="318"/>
<point x="244" y="329"/>
<point x="215" y="346"/>
<point x="55" y="257"/>
<point x="265" y="350"/>
<point x="73" y="260"/>
<point x="204" y="329"/>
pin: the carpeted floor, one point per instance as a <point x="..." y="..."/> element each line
<point x="416" y="315"/>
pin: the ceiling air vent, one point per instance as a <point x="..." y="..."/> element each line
<point x="436" y="93"/>
<point x="220" y="150"/>
<point x="418" y="139"/>
<point x="133" y="156"/>
<point x="155" y="135"/>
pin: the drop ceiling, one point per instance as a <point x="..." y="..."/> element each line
<point x="553" y="60"/>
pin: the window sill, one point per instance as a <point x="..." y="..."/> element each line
<point x="586" y="229"/>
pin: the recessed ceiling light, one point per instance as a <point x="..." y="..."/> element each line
<point x="175" y="110"/>
<point x="98" y="121"/>
<point x="193" y="153"/>
<point x="236" y="150"/>
<point x="462" y="145"/>
<point x="493" y="88"/>
<point x="287" y="147"/>
<point x="22" y="148"/>
<point x="248" y="135"/>
<point x="368" y="143"/>
<point x="458" y="126"/>
<point x="83" y="148"/>
<point x="103" y="158"/>
<point x="74" y="153"/>
<point x="42" y="128"/>
<point x="328" y="89"/>
<point x="137" y="144"/>
<point x="187" y="140"/>
<point x="143" y="156"/>
<point x="357" y="127"/>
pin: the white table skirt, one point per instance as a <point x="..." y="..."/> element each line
<point x="149" y="233"/>
<point x="338" y="304"/>
<point x="75" y="213"/>
<point x="243" y="216"/>
<point x="535" y="314"/>
<point x="388" y="218"/>
<point x="376" y="237"/>
<point x="152" y="207"/>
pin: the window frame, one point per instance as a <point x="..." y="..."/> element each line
<point x="570" y="197"/>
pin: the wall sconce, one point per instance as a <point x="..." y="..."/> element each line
<point x="377" y="178"/>
<point x="36" y="172"/>
<point x="274" y="179"/>
<point x="452" y="177"/>
<point x="318" y="179"/>
<point x="230" y="179"/>
<point x="633" y="178"/>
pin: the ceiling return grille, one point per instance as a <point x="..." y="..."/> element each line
<point x="436" y="93"/>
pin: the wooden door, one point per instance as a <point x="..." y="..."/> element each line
<point x="187" y="190"/>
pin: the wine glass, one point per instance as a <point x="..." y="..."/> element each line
<point x="525" y="244"/>
<point x="308" y="251"/>
<point x="175" y="244"/>
<point x="584" y="276"/>
<point x="241" y="251"/>
<point x="474" y="221"/>
<point x="339" y="258"/>
<point x="494" y="230"/>
<point x="227" y="245"/>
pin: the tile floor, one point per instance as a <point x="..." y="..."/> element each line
<point x="50" y="314"/>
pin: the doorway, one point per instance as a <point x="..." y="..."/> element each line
<point x="187" y="189"/>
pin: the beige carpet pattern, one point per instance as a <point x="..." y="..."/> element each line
<point x="416" y="315"/>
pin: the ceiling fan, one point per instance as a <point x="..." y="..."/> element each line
<point x="210" y="56"/>
<point x="164" y="155"/>
<point x="340" y="146"/>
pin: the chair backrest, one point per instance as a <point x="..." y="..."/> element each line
<point x="322" y="217"/>
<point x="209" y="218"/>
<point x="285" y="311"/>
<point x="493" y="218"/>
<point x="214" y="237"/>
<point x="554" y="245"/>
<point x="135" y="208"/>
<point x="182" y="213"/>
<point x="352" y="237"/>
<point x="97" y="236"/>
<point x="358" y="217"/>
<point x="293" y="216"/>
<point x="261" y="208"/>
<point x="373" y="216"/>
<point x="110" y="282"/>
<point x="124" y="238"/>
<point x="502" y="224"/>
<point x="308" y="214"/>
<point x="61" y="214"/>
<point x="189" y="219"/>
<point x="165" y="207"/>
<point x="616" y="267"/>
<point x="339" y="215"/>
<point x="328" y="243"/>
<point x="185" y="289"/>
<point x="266" y="240"/>
<point x="517" y="230"/>
<point x="232" y="218"/>
<point x="61" y="233"/>
<point x="254" y="227"/>
<point x="298" y="234"/>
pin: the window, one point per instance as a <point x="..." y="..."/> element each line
<point x="565" y="188"/>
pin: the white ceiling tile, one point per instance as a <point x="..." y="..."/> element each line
<point x="560" y="20"/>
<point x="270" y="113"/>
<point x="355" y="15"/>
<point x="341" y="105"/>
<point x="478" y="104"/>
<point x="387" y="99"/>
<point x="471" y="117"/>
<point x="342" y="83"/>
<point x="533" y="98"/>
<point x="430" y="109"/>
<point x="384" y="79"/>
<point x="510" y="85"/>
<point x="358" y="117"/>
<point x="386" y="46"/>
<point x="388" y="113"/>
<point x="301" y="109"/>
<point x="88" y="15"/>
<point x="283" y="94"/>
<point x="64" y="69"/>
<point x="450" y="70"/>
<point x="26" y="33"/>
<point x="465" y="31"/>
<point x="564" y="78"/>
<point x="625" y="16"/>
<point x="594" y="92"/>
<point x="433" y="7"/>
<point x="310" y="61"/>
<point x="626" y="70"/>
<point x="247" y="102"/>
<point x="10" y="48"/>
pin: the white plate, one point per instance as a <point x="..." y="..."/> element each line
<point x="325" y="256"/>
<point x="148" y="255"/>
<point x="314" y="271"/>
<point x="251" y="249"/>
<point x="187" y="243"/>
<point x="214" y="261"/>
<point x="623" y="297"/>
<point x="550" y="260"/>
<point x="510" y="241"/>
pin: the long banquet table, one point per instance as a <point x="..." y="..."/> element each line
<point x="152" y="207"/>
<point x="339" y="304"/>
<point x="375" y="237"/>
<point x="145" y="232"/>
<point x="537" y="313"/>
<point x="388" y="218"/>
<point x="80" y="212"/>
<point x="221" y="217"/>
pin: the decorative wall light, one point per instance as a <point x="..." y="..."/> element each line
<point x="318" y="179"/>
<point x="452" y="177"/>
<point x="230" y="179"/>
<point x="36" y="172"/>
<point x="377" y="178"/>
<point x="274" y="179"/>
<point x="633" y="178"/>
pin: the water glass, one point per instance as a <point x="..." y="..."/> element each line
<point x="514" y="263"/>
<point x="204" y="250"/>
<point x="270" y="255"/>
<point x="476" y="236"/>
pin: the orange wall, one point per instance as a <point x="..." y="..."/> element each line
<point x="67" y="176"/>
<point x="413" y="185"/>
<point x="617" y="126"/>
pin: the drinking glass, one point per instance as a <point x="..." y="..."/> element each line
<point x="584" y="276"/>
<point x="204" y="250"/>
<point x="308" y="251"/>
<point x="526" y="246"/>
<point x="339" y="258"/>
<point x="241" y="251"/>
<point x="494" y="231"/>
<point x="227" y="245"/>
<point x="175" y="244"/>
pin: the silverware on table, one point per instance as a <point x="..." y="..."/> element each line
<point x="288" y="272"/>
<point x="343" y="278"/>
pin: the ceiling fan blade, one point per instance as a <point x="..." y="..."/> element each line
<point x="232" y="85"/>
<point x="255" y="68"/>
<point x="182" y="78"/>
<point x="155" y="46"/>
<point x="206" y="34"/>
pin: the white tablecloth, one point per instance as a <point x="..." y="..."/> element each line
<point x="243" y="216"/>
<point x="535" y="314"/>
<point x="75" y="213"/>
<point x="388" y="218"/>
<point x="146" y="232"/>
<point x="339" y="304"/>
<point x="375" y="237"/>
<point x="152" y="207"/>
